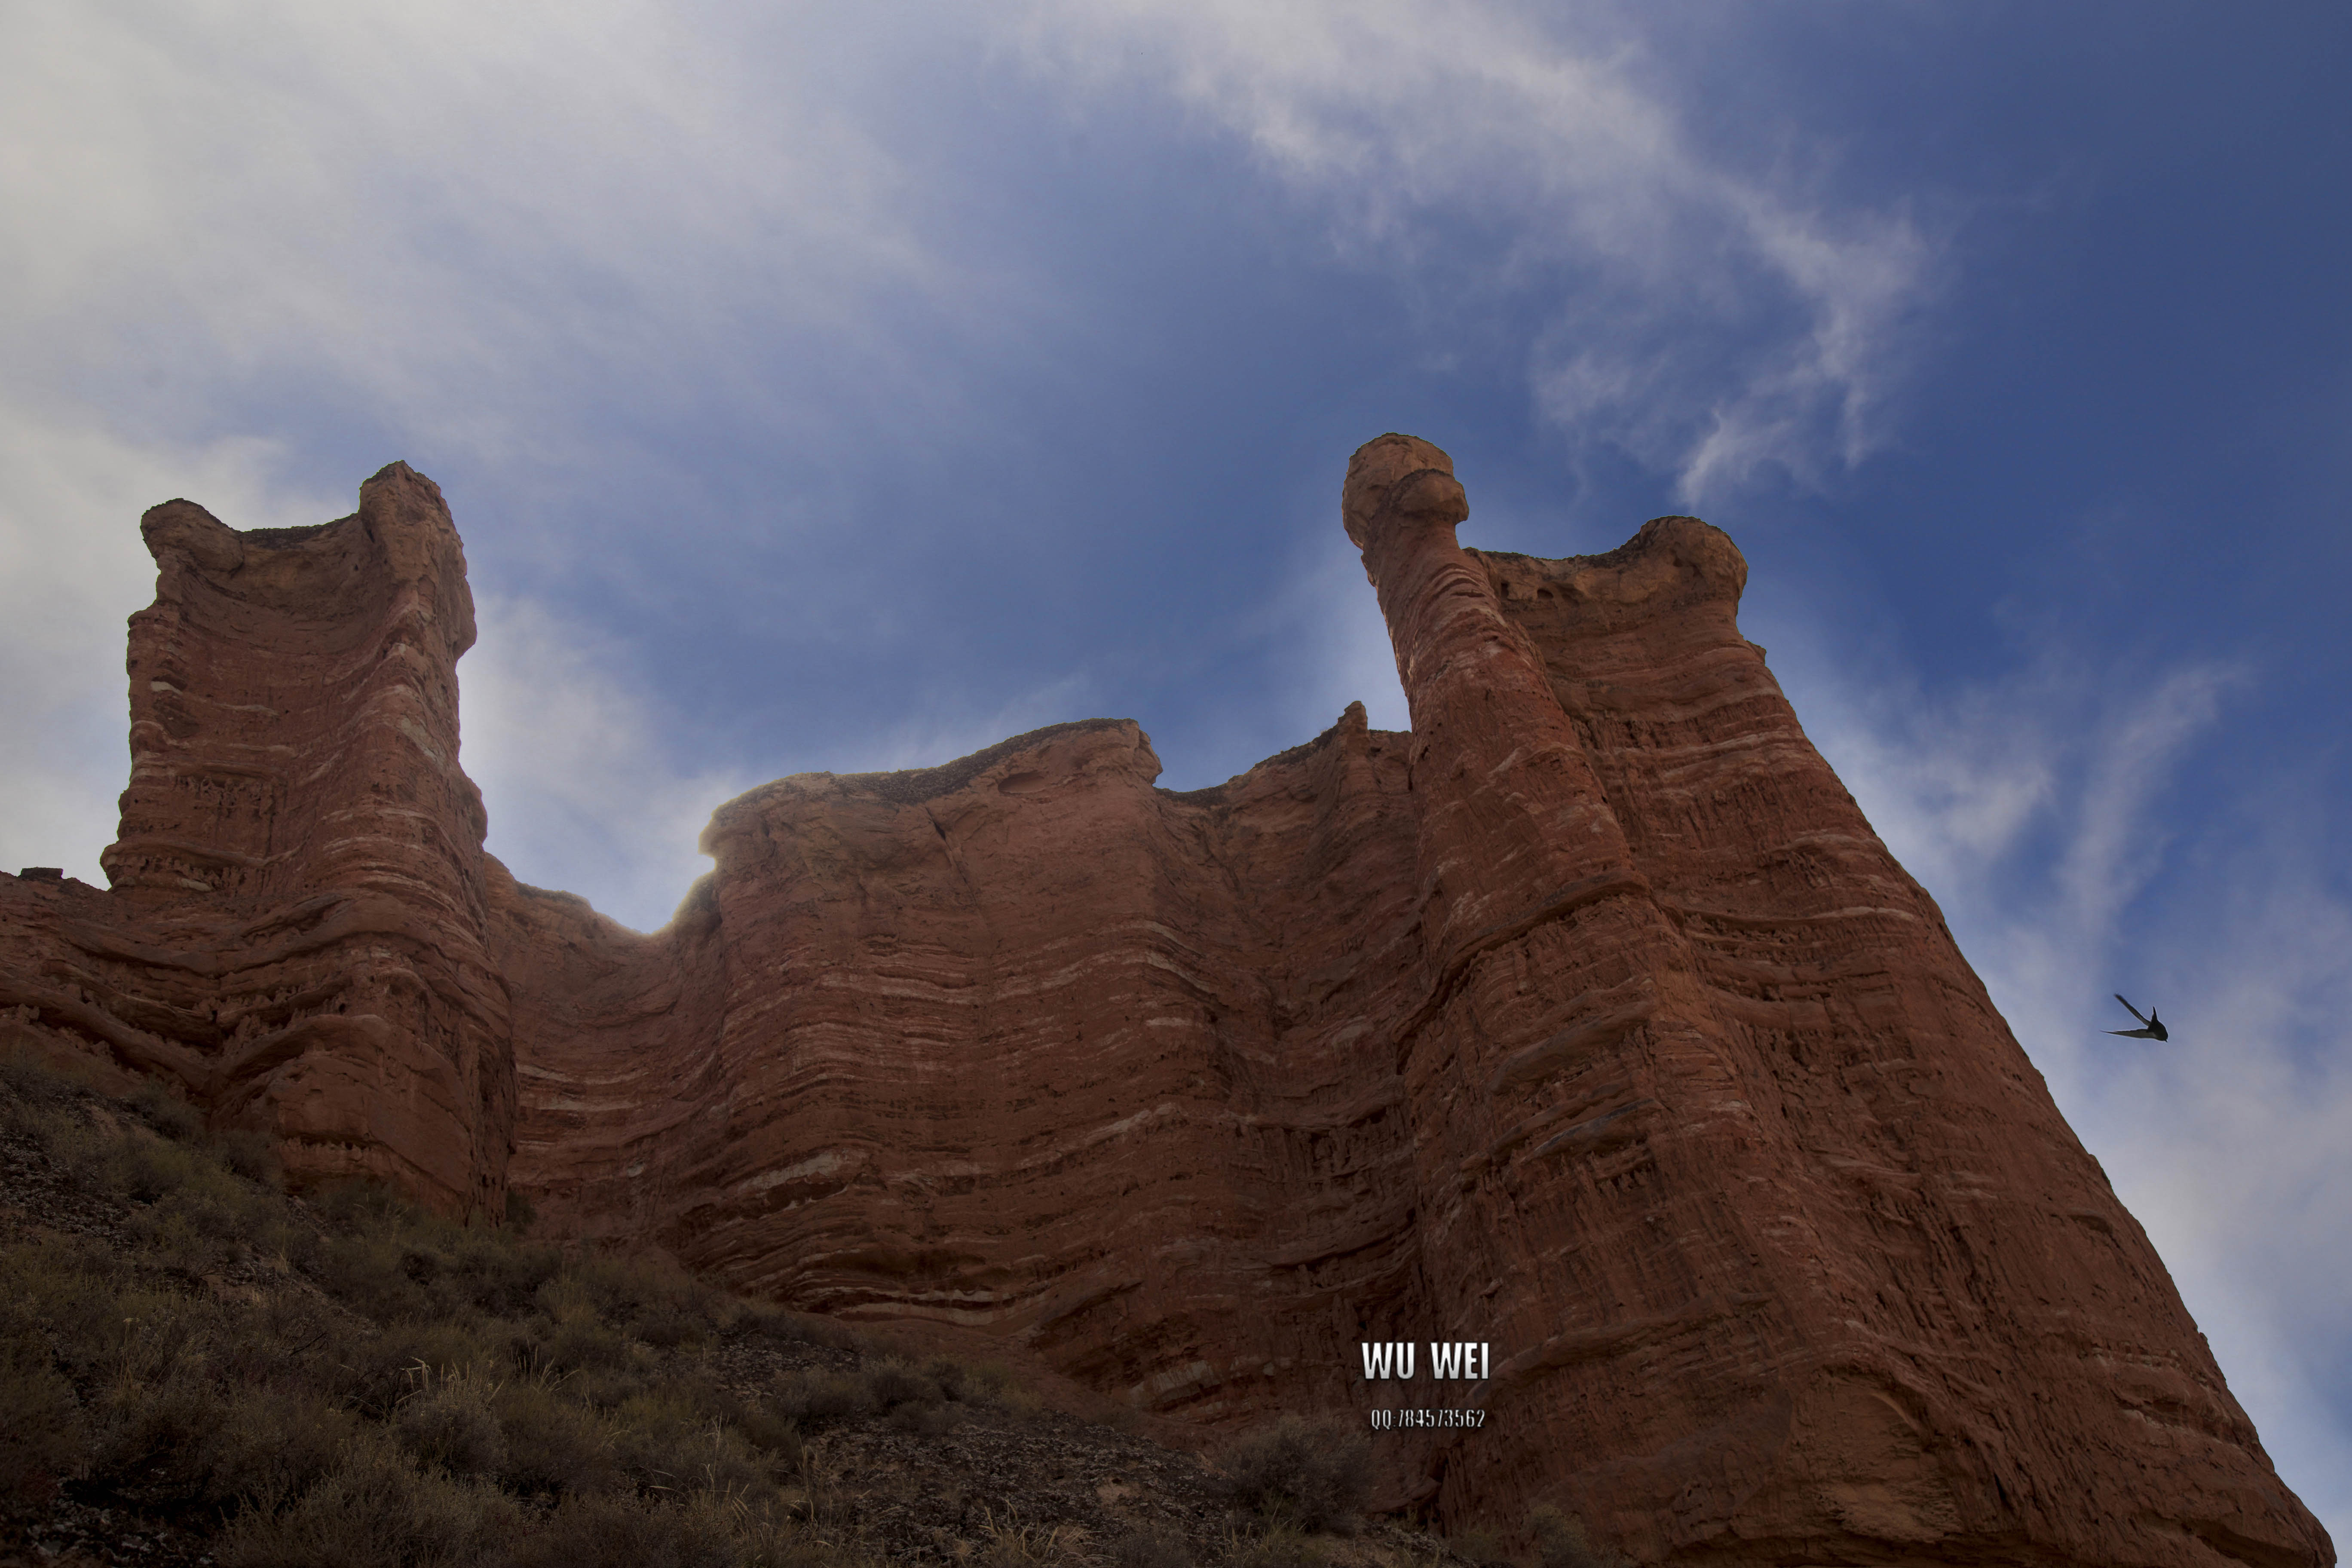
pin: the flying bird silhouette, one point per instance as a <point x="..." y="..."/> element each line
<point x="2155" y="1030"/>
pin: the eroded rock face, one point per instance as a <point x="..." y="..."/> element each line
<point x="294" y="932"/>
<point x="1589" y="1020"/>
<point x="1787" y="1239"/>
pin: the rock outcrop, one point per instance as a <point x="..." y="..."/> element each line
<point x="1588" y="1021"/>
<point x="294" y="932"/>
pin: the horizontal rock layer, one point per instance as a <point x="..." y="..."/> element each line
<point x="1588" y="1021"/>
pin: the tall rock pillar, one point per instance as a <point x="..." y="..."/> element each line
<point x="298" y="838"/>
<point x="1785" y="1253"/>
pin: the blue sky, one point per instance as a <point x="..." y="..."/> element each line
<point x="849" y="387"/>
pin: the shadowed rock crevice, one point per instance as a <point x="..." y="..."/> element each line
<point x="1587" y="1021"/>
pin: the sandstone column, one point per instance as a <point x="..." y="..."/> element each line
<point x="297" y="817"/>
<point x="1785" y="1251"/>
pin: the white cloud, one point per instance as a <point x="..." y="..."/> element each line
<point x="1710" y="322"/>
<point x="451" y="218"/>
<point x="1331" y="643"/>
<point x="2034" y="809"/>
<point x="574" y="766"/>
<point x="472" y="225"/>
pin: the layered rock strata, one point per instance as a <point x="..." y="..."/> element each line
<point x="1589" y="1020"/>
<point x="294" y="935"/>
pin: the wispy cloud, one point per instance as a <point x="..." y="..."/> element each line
<point x="2035" y="810"/>
<point x="573" y="243"/>
<point x="1331" y="643"/>
<point x="1708" y="320"/>
<point x="949" y="730"/>
<point x="455" y="221"/>
<point x="464" y="224"/>
<point x="575" y="767"/>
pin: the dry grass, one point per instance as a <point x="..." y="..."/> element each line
<point x="1482" y="1546"/>
<point x="348" y="1381"/>
<point x="1151" y="1549"/>
<point x="1277" y="1545"/>
<point x="1561" y="1542"/>
<point x="1308" y="1476"/>
<point x="1006" y="1543"/>
<point x="409" y="1391"/>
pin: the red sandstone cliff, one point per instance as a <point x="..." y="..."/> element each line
<point x="1588" y="1019"/>
<point x="294" y="931"/>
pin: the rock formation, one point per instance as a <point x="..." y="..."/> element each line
<point x="294" y="931"/>
<point x="1589" y="1020"/>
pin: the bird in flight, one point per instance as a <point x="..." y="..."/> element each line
<point x="2153" y="1031"/>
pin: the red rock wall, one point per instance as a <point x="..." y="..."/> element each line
<point x="1590" y="1019"/>
<point x="1025" y="1044"/>
<point x="294" y="929"/>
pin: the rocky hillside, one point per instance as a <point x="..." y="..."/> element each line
<point x="196" y="1368"/>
